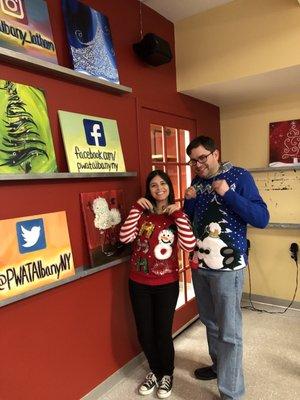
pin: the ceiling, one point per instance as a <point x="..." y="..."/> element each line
<point x="281" y="82"/>
<point x="175" y="10"/>
<point x="278" y="83"/>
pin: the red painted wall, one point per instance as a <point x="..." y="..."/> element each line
<point x="62" y="343"/>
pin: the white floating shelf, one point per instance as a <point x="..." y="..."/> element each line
<point x="268" y="169"/>
<point x="80" y="272"/>
<point x="66" y="175"/>
<point x="37" y="65"/>
<point x="283" y="225"/>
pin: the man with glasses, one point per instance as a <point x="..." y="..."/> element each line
<point x="220" y="202"/>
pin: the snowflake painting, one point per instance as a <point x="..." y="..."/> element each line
<point x="103" y="214"/>
<point x="90" y="41"/>
<point x="285" y="143"/>
<point x="25" y="137"/>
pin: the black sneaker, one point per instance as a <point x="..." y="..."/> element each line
<point x="205" y="373"/>
<point x="165" y="387"/>
<point x="148" y="385"/>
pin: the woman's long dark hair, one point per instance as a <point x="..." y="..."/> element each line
<point x="165" y="177"/>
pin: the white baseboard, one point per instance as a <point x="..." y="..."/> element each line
<point x="269" y="300"/>
<point x="115" y="378"/>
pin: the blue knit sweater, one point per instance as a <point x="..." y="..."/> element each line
<point x="220" y="222"/>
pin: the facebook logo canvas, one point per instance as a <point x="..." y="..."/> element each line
<point x="94" y="132"/>
<point x="31" y="235"/>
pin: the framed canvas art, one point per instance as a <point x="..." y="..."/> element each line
<point x="103" y="214"/>
<point x="25" y="28"/>
<point x="35" y="251"/>
<point x="26" y="144"/>
<point x="90" y="41"/>
<point x="92" y="144"/>
<point x="285" y="143"/>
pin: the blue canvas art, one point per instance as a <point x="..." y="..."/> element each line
<point x="90" y="41"/>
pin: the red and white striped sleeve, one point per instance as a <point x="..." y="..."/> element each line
<point x="129" y="229"/>
<point x="186" y="238"/>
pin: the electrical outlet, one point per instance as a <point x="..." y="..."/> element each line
<point x="294" y="248"/>
<point x="248" y="247"/>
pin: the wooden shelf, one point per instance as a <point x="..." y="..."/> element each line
<point x="66" y="175"/>
<point x="280" y="225"/>
<point x="268" y="169"/>
<point x="40" y="66"/>
<point x="80" y="272"/>
<point x="283" y="225"/>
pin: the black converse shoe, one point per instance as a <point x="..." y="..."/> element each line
<point x="148" y="385"/>
<point x="165" y="387"/>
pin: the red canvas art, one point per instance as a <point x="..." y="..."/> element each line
<point x="104" y="213"/>
<point x="285" y="143"/>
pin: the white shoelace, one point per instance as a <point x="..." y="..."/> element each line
<point x="166" y="383"/>
<point x="149" y="380"/>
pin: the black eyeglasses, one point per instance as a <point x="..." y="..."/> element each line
<point x="201" y="160"/>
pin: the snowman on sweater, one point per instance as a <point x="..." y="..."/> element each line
<point x="213" y="252"/>
<point x="163" y="250"/>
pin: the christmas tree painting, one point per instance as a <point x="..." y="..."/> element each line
<point x="285" y="143"/>
<point x="25" y="138"/>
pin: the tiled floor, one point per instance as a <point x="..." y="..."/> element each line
<point x="271" y="361"/>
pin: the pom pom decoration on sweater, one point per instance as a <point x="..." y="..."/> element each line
<point x="163" y="249"/>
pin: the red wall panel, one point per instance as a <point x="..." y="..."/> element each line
<point x="62" y="343"/>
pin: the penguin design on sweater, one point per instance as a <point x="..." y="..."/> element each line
<point x="163" y="250"/>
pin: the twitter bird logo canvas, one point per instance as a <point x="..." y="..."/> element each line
<point x="31" y="235"/>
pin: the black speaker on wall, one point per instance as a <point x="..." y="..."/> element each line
<point x="153" y="50"/>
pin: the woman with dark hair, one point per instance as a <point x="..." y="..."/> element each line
<point x="156" y="224"/>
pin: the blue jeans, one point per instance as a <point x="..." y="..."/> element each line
<point x="218" y="295"/>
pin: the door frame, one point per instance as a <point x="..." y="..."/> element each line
<point x="145" y="116"/>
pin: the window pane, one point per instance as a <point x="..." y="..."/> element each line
<point x="181" y="297"/>
<point x="186" y="177"/>
<point x="189" y="285"/>
<point x="180" y="260"/>
<point x="184" y="140"/>
<point x="171" y="144"/>
<point x="158" y="166"/>
<point x="172" y="171"/>
<point x="186" y="259"/>
<point x="157" y="143"/>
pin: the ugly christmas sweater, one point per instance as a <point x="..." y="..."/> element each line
<point x="154" y="259"/>
<point x="220" y="222"/>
